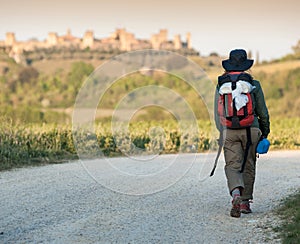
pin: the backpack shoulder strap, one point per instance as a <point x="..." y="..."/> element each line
<point x="223" y="79"/>
<point x="245" y="77"/>
<point x="233" y="77"/>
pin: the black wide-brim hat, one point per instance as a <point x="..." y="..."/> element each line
<point x="237" y="61"/>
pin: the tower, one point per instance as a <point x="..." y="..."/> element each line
<point x="10" y="39"/>
<point x="163" y="35"/>
<point x="177" y="42"/>
<point x="88" y="39"/>
<point x="52" y="39"/>
<point x="188" y="40"/>
<point x="257" y="58"/>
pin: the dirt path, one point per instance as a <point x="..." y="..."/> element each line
<point x="66" y="204"/>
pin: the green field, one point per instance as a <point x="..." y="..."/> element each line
<point x="32" y="144"/>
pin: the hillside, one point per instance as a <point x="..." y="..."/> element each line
<point x="46" y="89"/>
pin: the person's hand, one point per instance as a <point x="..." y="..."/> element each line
<point x="263" y="137"/>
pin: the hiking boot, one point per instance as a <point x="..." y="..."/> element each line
<point x="245" y="207"/>
<point x="235" y="210"/>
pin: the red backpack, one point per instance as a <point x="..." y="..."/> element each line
<point x="232" y="118"/>
<point x="228" y="114"/>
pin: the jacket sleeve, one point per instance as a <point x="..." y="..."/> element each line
<point x="261" y="110"/>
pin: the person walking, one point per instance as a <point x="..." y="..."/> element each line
<point x="242" y="117"/>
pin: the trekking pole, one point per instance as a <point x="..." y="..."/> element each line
<point x="220" y="143"/>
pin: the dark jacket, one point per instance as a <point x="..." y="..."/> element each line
<point x="261" y="116"/>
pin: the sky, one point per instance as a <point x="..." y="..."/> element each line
<point x="267" y="27"/>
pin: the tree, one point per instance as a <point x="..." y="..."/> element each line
<point x="79" y="72"/>
<point x="28" y="74"/>
<point x="296" y="48"/>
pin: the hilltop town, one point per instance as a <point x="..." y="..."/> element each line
<point x="119" y="41"/>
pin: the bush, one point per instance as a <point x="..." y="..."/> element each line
<point x="28" y="75"/>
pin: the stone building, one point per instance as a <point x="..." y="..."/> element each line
<point x="68" y="40"/>
<point x="177" y="42"/>
<point x="120" y="40"/>
<point x="158" y="40"/>
<point x="88" y="39"/>
<point x="52" y="39"/>
<point x="10" y="39"/>
<point x="188" y="40"/>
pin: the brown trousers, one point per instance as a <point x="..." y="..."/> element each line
<point x="234" y="149"/>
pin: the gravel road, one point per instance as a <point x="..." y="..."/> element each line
<point x="89" y="202"/>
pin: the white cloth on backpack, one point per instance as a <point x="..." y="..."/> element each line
<point x="238" y="94"/>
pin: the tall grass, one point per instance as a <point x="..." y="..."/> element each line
<point x="34" y="144"/>
<point x="29" y="144"/>
<point x="290" y="214"/>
